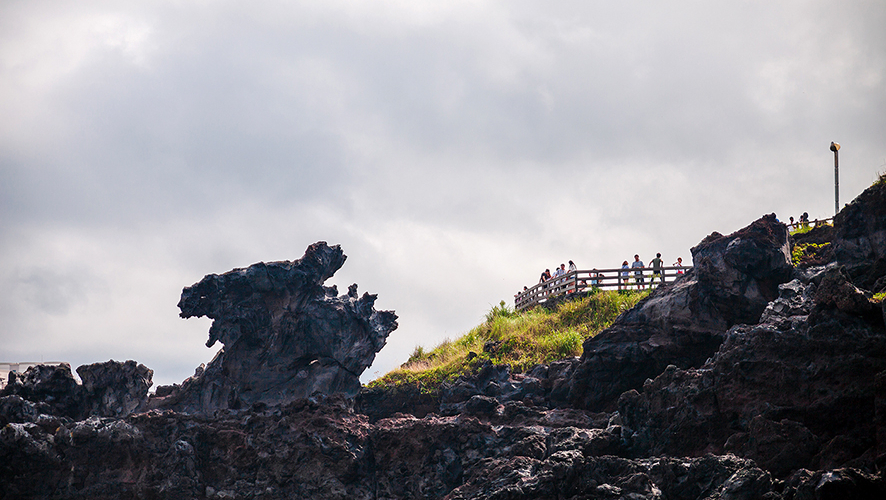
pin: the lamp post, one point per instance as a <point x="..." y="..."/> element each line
<point x="835" y="147"/>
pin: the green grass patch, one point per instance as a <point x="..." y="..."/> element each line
<point x="805" y="228"/>
<point x="805" y="251"/>
<point x="520" y="339"/>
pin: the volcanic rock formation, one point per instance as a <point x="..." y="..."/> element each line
<point x="747" y="378"/>
<point x="683" y="323"/>
<point x="109" y="389"/>
<point x="286" y="336"/>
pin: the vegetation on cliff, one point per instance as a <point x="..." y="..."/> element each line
<point x="519" y="339"/>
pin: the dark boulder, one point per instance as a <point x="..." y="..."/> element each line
<point x="860" y="240"/>
<point x="801" y="390"/>
<point x="836" y="290"/>
<point x="286" y="336"/>
<point x="115" y="389"/>
<point x="52" y="387"/>
<point x="683" y="323"/>
<point x="109" y="389"/>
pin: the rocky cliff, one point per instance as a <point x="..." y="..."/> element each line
<point x="747" y="378"/>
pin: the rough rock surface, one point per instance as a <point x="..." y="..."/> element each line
<point x="860" y="242"/>
<point x="683" y="323"/>
<point x="109" y="389"/>
<point x="286" y="336"/>
<point x="115" y="389"/>
<point x="745" y="379"/>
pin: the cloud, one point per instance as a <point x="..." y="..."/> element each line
<point x="454" y="149"/>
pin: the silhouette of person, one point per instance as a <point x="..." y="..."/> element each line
<point x="623" y="281"/>
<point x="638" y="273"/>
<point x="679" y="263"/>
<point x="656" y="269"/>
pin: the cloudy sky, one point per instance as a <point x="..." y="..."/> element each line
<point x="454" y="149"/>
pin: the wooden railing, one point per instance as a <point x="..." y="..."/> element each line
<point x="812" y="223"/>
<point x="578" y="281"/>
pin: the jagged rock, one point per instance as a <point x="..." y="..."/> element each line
<point x="683" y="323"/>
<point x="762" y="384"/>
<point x="834" y="485"/>
<point x="788" y="398"/>
<point x="543" y="385"/>
<point x="286" y="336"/>
<point x="110" y="389"/>
<point x="860" y="240"/>
<point x="114" y="389"/>
<point x="793" y="305"/>
<point x="53" y="387"/>
<point x="384" y="402"/>
<point x="570" y="474"/>
<point x="835" y="290"/>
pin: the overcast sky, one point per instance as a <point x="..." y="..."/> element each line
<point x="453" y="149"/>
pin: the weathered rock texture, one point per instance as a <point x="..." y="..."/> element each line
<point x="110" y="389"/>
<point x="683" y="323"/>
<point x="745" y="379"/>
<point x="860" y="242"/>
<point x="286" y="336"/>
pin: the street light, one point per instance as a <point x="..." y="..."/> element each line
<point x="835" y="147"/>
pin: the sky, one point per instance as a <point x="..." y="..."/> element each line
<point x="454" y="149"/>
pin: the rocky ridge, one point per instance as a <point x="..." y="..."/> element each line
<point x="747" y="378"/>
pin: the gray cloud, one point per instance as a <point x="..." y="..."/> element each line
<point x="454" y="149"/>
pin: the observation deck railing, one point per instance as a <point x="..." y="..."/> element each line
<point x="579" y="281"/>
<point x="812" y="223"/>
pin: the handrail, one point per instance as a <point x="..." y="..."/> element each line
<point x="580" y="280"/>
<point x="813" y="223"/>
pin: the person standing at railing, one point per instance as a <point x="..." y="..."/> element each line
<point x="595" y="278"/>
<point x="679" y="264"/>
<point x="545" y="277"/>
<point x="638" y="273"/>
<point x="558" y="274"/>
<point x="623" y="281"/>
<point x="519" y="296"/>
<point x="655" y="264"/>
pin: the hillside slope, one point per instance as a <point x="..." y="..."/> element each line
<point x="518" y="339"/>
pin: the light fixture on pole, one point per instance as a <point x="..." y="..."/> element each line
<point x="835" y="147"/>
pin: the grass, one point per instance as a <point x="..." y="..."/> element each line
<point x="803" y="251"/>
<point x="805" y="228"/>
<point x="520" y="339"/>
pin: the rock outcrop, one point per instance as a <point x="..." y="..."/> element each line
<point x="800" y="390"/>
<point x="683" y="323"/>
<point x="860" y="240"/>
<point x="745" y="379"/>
<point x="109" y="389"/>
<point x="286" y="336"/>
